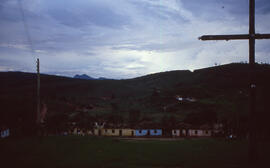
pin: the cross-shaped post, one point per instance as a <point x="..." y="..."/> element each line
<point x="251" y="37"/>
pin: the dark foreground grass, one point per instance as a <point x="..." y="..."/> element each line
<point x="82" y="152"/>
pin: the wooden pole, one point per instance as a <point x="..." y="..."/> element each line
<point x="252" y="98"/>
<point x="38" y="93"/>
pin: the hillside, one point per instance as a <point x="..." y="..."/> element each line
<point x="221" y="94"/>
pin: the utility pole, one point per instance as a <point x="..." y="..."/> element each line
<point x="38" y="93"/>
<point x="253" y="151"/>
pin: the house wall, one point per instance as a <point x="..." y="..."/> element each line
<point x="96" y="132"/>
<point x="175" y="132"/>
<point x="180" y="132"/>
<point x="142" y="132"/>
<point x="192" y="132"/>
<point x="74" y="132"/>
<point x="114" y="132"/>
<point x="207" y="132"/>
<point x="200" y="133"/>
<point x="184" y="132"/>
<point x="128" y="132"/>
<point x="110" y="132"/>
<point x="155" y="132"/>
<point x="195" y="132"/>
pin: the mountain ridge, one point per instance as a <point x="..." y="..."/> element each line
<point x="220" y="91"/>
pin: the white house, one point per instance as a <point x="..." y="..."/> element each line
<point x="191" y="133"/>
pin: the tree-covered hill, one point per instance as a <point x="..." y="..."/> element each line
<point x="220" y="94"/>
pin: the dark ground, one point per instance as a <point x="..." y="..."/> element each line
<point x="97" y="152"/>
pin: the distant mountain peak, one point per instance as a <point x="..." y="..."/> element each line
<point x="83" y="76"/>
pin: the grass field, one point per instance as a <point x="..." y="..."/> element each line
<point x="95" y="152"/>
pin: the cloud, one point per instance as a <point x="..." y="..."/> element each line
<point x="126" y="38"/>
<point x="78" y="14"/>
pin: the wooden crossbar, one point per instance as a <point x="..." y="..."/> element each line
<point x="234" y="37"/>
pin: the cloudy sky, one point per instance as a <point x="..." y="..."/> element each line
<point x="125" y="38"/>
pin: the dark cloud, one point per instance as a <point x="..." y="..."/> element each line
<point x="11" y="14"/>
<point x="218" y="8"/>
<point x="158" y="11"/>
<point x="239" y="7"/>
<point x="263" y="6"/>
<point x="77" y="16"/>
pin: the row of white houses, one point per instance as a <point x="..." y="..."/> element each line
<point x="142" y="132"/>
<point x="131" y="132"/>
<point x="5" y="133"/>
<point x="191" y="133"/>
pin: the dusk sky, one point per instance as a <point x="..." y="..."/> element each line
<point x="125" y="38"/>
